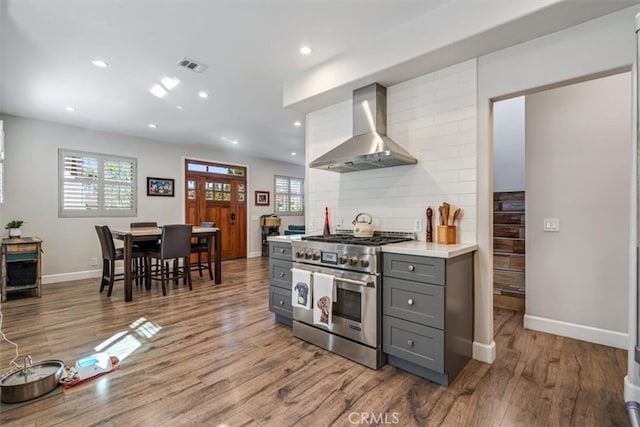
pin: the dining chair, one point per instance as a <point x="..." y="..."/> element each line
<point x="144" y="245"/>
<point x="175" y="244"/>
<point x="203" y="245"/>
<point x="111" y="254"/>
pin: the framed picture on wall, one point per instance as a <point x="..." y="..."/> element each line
<point x="160" y="187"/>
<point x="262" y="198"/>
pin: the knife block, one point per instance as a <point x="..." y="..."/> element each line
<point x="446" y="234"/>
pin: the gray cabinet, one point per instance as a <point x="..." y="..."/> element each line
<point x="427" y="322"/>
<point x="280" y="262"/>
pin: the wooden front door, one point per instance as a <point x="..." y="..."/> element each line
<point x="217" y="193"/>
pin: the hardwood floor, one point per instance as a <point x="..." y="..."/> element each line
<point x="215" y="356"/>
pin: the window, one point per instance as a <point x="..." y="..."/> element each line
<point x="289" y="195"/>
<point x="92" y="185"/>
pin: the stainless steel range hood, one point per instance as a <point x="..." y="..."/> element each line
<point x="370" y="147"/>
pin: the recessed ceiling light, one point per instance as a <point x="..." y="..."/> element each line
<point x="202" y="94"/>
<point x="179" y="107"/>
<point x="158" y="91"/>
<point x="71" y="109"/>
<point x="293" y="153"/>
<point x="297" y="123"/>
<point x="234" y="142"/>
<point x="152" y="125"/>
<point x="305" y="50"/>
<point x="99" y="63"/>
<point x="169" y="82"/>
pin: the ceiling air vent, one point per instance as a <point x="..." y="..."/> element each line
<point x="192" y="65"/>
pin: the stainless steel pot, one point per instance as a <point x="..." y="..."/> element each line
<point x="31" y="381"/>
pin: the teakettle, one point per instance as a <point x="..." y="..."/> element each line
<point x="362" y="225"/>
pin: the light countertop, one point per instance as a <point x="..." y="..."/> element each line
<point x="284" y="239"/>
<point x="417" y="247"/>
<point x="414" y="247"/>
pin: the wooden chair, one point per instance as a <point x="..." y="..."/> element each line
<point x="203" y="245"/>
<point x="175" y="244"/>
<point x="109" y="257"/>
<point x="144" y="245"/>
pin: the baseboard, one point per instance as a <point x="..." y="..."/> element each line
<point x="66" y="277"/>
<point x="579" y="332"/>
<point x="631" y="391"/>
<point x="254" y="254"/>
<point x="484" y="352"/>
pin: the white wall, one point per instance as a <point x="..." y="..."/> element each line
<point x="434" y="118"/>
<point x="579" y="170"/>
<point x="600" y="47"/>
<point x="508" y="145"/>
<point x="69" y="243"/>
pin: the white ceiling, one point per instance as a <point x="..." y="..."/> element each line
<point x="250" y="46"/>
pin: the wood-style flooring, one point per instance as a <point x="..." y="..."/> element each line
<point x="215" y="356"/>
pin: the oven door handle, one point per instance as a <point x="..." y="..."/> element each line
<point x="355" y="282"/>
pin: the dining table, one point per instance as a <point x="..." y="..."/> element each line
<point x="129" y="237"/>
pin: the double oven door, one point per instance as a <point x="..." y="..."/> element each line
<point x="355" y="311"/>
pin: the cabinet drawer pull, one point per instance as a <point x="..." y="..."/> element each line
<point x="281" y="274"/>
<point x="411" y="267"/>
<point x="281" y="251"/>
<point x="410" y="343"/>
<point x="410" y="301"/>
<point x="281" y="302"/>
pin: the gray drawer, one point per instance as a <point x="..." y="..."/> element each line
<point x="419" y="344"/>
<point x="280" y="250"/>
<point x="417" y="268"/>
<point x="280" y="273"/>
<point x="418" y="302"/>
<point x="280" y="302"/>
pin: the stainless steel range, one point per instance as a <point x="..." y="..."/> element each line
<point x="355" y="265"/>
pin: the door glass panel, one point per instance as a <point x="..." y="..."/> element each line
<point x="218" y="195"/>
<point x="241" y="197"/>
<point x="208" y="190"/>
<point x="226" y="187"/>
<point x="191" y="190"/>
<point x="226" y="197"/>
<point x="349" y="305"/>
<point x="240" y="188"/>
<point x="218" y="186"/>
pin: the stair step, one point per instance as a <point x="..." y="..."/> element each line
<point x="508" y="262"/>
<point x="516" y="246"/>
<point x="503" y="218"/>
<point x="511" y="231"/>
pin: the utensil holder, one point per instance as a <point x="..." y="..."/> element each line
<point x="446" y="234"/>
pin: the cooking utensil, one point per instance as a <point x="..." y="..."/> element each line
<point x="445" y="213"/>
<point x="362" y="225"/>
<point x="31" y="381"/>
<point x="455" y="215"/>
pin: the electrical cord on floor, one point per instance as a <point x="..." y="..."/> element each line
<point x="13" y="361"/>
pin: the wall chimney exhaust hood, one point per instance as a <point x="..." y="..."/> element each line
<point x="370" y="147"/>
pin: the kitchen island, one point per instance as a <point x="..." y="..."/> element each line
<point x="425" y="311"/>
<point x="427" y="308"/>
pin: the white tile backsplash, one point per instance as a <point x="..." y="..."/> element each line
<point x="434" y="118"/>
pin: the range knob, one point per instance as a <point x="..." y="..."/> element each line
<point x="299" y="254"/>
<point x="316" y="255"/>
<point x="308" y="255"/>
<point x="343" y="259"/>
<point x="364" y="263"/>
<point x="353" y="261"/>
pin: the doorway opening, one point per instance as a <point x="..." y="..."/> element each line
<point x="217" y="192"/>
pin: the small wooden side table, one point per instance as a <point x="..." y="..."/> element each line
<point x="21" y="265"/>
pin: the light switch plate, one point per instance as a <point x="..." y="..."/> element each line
<point x="551" y="224"/>
<point x="417" y="225"/>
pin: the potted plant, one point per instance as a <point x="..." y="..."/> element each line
<point x="14" y="227"/>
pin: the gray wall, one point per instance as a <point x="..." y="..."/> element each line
<point x="579" y="170"/>
<point x="508" y="145"/>
<point x="69" y="243"/>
